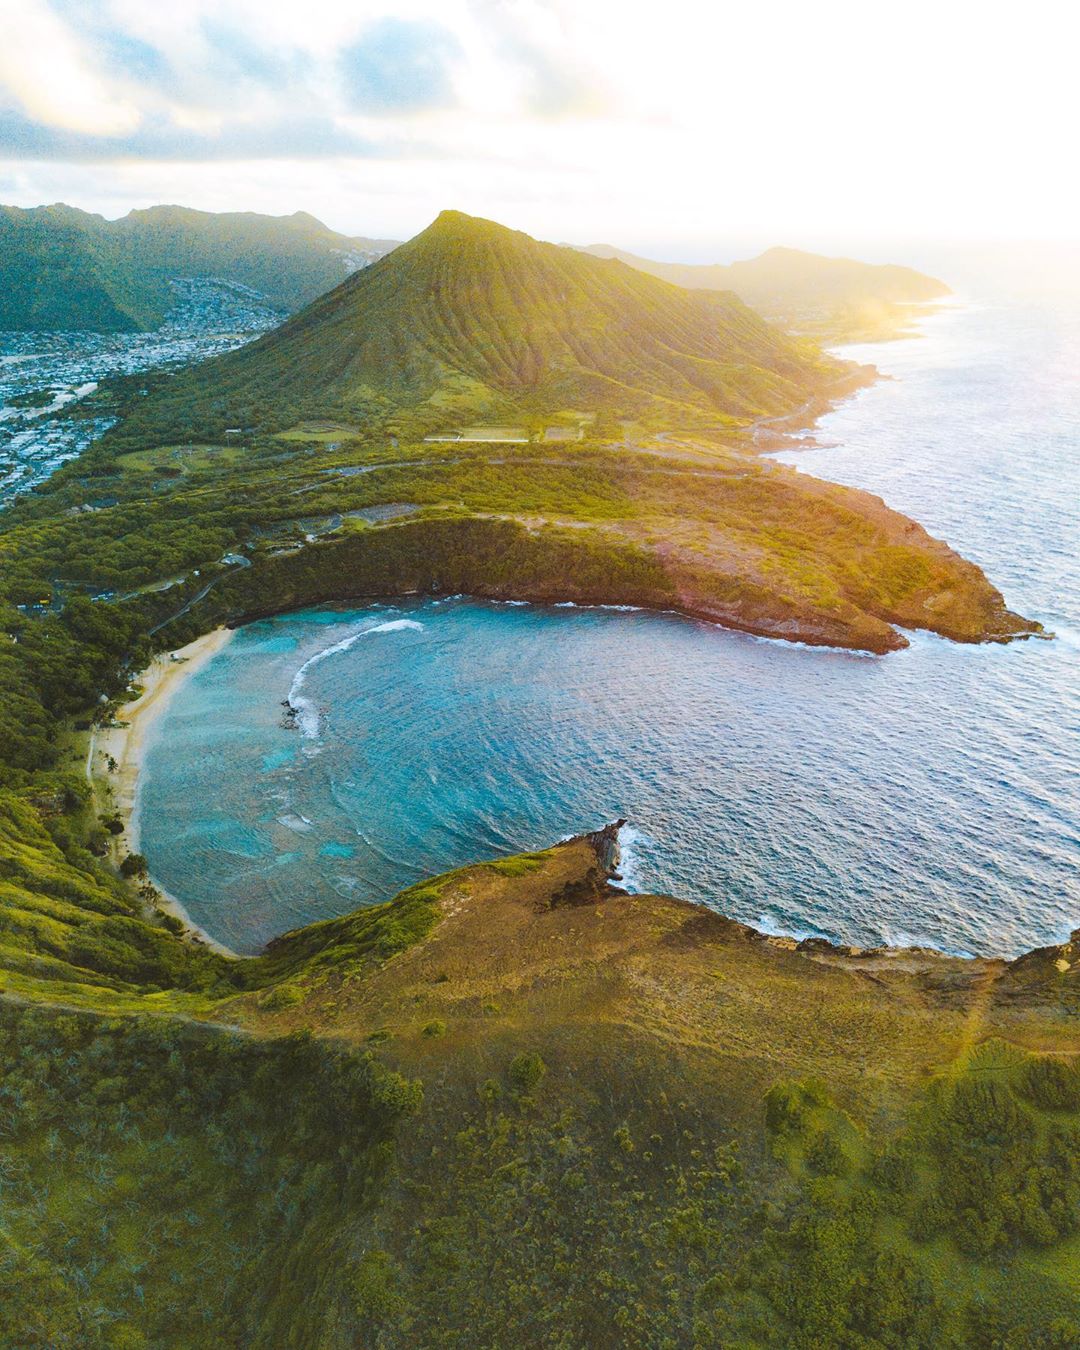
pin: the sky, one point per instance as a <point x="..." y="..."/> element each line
<point x="683" y="129"/>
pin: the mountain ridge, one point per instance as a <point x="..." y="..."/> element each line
<point x="66" y="269"/>
<point x="835" y="298"/>
<point x="651" y="491"/>
<point x="472" y="318"/>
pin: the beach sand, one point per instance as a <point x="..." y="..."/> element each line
<point x="115" y="755"/>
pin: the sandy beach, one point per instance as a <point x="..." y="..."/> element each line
<point x="115" y="755"/>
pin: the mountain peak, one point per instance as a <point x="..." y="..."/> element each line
<point x="304" y="220"/>
<point x="460" y="220"/>
<point x="473" y="320"/>
<point x="458" y="227"/>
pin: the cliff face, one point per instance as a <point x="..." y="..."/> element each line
<point x="860" y="570"/>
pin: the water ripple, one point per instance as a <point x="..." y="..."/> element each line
<point x="931" y="797"/>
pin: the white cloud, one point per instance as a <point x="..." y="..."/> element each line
<point x="573" y="118"/>
<point x="45" y="71"/>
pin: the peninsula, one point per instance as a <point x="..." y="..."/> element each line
<point x="479" y="412"/>
<point x="830" y="299"/>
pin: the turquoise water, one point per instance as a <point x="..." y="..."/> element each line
<point x="931" y="796"/>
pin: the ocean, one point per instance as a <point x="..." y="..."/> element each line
<point x="928" y="797"/>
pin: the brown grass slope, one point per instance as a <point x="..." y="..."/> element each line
<point x="593" y="1061"/>
<point x="548" y="942"/>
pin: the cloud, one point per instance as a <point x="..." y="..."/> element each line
<point x="129" y="58"/>
<point x="400" y="66"/>
<point x="98" y="80"/>
<point x="560" y="116"/>
<point x="234" y="54"/>
<point x="557" y="78"/>
<point x="44" y="70"/>
<point x="93" y="80"/>
<point x="160" y="139"/>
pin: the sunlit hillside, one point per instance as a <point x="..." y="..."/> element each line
<point x="470" y="319"/>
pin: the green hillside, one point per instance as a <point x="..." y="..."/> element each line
<point x="838" y="298"/>
<point x="516" y="1106"/>
<point x="513" y="1106"/>
<point x="472" y="320"/>
<point x="68" y="269"/>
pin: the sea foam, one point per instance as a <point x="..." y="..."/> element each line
<point x="307" y="715"/>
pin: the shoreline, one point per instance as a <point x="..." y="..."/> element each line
<point x="922" y="954"/>
<point x="125" y="745"/>
<point x="166" y="674"/>
<point x="793" y="431"/>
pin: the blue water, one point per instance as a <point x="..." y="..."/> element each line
<point x="931" y="796"/>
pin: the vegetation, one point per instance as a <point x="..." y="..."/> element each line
<point x="512" y="1120"/>
<point x="513" y="1104"/>
<point x="156" y="1194"/>
<point x="66" y="269"/>
<point x="833" y="298"/>
<point x="152" y="536"/>
<point x="470" y="321"/>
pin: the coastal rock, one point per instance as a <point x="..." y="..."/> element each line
<point x="605" y="841"/>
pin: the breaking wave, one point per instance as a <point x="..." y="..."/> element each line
<point x="306" y="713"/>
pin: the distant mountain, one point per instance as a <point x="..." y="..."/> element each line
<point x="800" y="289"/>
<point x="473" y="319"/>
<point x="63" y="268"/>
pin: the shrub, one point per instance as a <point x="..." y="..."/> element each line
<point x="1051" y="1085"/>
<point x="788" y="1105"/>
<point x="527" y="1071"/>
<point x="373" y="1282"/>
<point x="518" y="866"/>
<point x="281" y="997"/>
<point x="826" y="1156"/>
<point x="134" y="865"/>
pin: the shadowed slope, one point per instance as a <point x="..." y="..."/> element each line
<point x="67" y="269"/>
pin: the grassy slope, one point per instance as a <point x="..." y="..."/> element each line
<point x="633" y="1123"/>
<point x="835" y="299"/>
<point x="471" y="319"/>
<point x="65" y="268"/>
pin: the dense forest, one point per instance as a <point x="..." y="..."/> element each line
<point x="391" y="1149"/>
